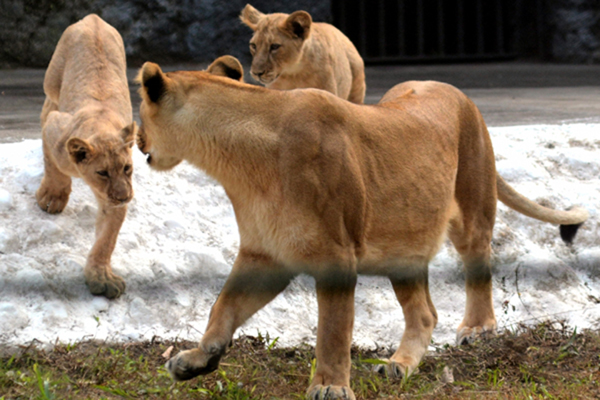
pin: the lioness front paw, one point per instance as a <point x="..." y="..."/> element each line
<point x="52" y="201"/>
<point x="103" y="282"/>
<point x="467" y="335"/>
<point x="189" y="364"/>
<point x="321" y="392"/>
<point x="392" y="369"/>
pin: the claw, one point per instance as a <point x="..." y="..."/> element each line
<point x="330" y="392"/>
<point x="391" y="369"/>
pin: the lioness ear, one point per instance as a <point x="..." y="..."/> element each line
<point x="298" y="24"/>
<point x="227" y="66"/>
<point x="152" y="80"/>
<point x="251" y="16"/>
<point x="128" y="134"/>
<point x="79" y="150"/>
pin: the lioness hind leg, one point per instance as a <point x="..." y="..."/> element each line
<point x="471" y="227"/>
<point x="412" y="290"/>
<point x="479" y="311"/>
<point x="358" y="89"/>
<point x="335" y="297"/>
<point x="254" y="281"/>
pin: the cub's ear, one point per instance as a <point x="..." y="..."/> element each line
<point x="227" y="66"/>
<point x="298" y="24"/>
<point x="251" y="16"/>
<point x="153" y="82"/>
<point x="80" y="150"/>
<point x="128" y="134"/>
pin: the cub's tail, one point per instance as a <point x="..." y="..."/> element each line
<point x="569" y="220"/>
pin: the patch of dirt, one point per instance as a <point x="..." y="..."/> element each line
<point x="549" y="360"/>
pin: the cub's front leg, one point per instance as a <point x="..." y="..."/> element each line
<point x="98" y="273"/>
<point x="53" y="194"/>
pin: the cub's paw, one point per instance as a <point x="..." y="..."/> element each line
<point x="51" y="200"/>
<point x="467" y="335"/>
<point x="330" y="392"/>
<point x="189" y="364"/>
<point x="391" y="369"/>
<point x="103" y="282"/>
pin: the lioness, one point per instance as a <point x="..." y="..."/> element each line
<point x="290" y="51"/>
<point x="326" y="187"/>
<point x="87" y="132"/>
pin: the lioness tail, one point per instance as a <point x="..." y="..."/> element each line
<point x="569" y="220"/>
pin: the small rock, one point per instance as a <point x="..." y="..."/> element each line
<point x="447" y="375"/>
<point x="167" y="354"/>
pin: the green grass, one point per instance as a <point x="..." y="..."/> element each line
<point x="549" y="361"/>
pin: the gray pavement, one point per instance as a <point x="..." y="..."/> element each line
<point x="506" y="93"/>
<point x="511" y="93"/>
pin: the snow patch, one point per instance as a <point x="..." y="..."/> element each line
<point x="179" y="241"/>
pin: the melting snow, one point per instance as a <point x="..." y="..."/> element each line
<point x="180" y="238"/>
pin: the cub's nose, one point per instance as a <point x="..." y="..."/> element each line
<point x="122" y="197"/>
<point x="149" y="159"/>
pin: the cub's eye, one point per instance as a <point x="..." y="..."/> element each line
<point x="275" y="46"/>
<point x="103" y="173"/>
<point x="127" y="169"/>
<point x="252" y="47"/>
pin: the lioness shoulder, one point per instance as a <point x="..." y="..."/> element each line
<point x="290" y="51"/>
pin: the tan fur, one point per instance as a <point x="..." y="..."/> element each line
<point x="87" y="132"/>
<point x="326" y="187"/>
<point x="310" y="54"/>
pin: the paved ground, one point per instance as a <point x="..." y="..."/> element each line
<point x="506" y="93"/>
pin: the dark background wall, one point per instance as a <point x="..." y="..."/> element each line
<point x="180" y="31"/>
<point x="423" y="31"/>
<point x="573" y="28"/>
<point x="163" y="31"/>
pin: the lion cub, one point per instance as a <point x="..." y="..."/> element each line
<point x="291" y="51"/>
<point x="87" y="132"/>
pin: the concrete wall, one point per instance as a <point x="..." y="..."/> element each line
<point x="163" y="31"/>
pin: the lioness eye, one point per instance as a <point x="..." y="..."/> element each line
<point x="103" y="173"/>
<point x="275" y="47"/>
<point x="252" y="47"/>
<point x="127" y="169"/>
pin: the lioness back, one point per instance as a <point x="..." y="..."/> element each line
<point x="290" y="51"/>
<point x="90" y="47"/>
